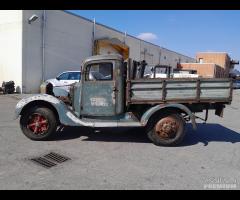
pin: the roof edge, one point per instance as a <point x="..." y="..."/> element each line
<point x="84" y="18"/>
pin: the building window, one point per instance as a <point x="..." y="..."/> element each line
<point x="200" y="60"/>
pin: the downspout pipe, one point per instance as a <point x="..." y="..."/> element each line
<point x="125" y="36"/>
<point x="93" y="36"/>
<point x="43" y="44"/>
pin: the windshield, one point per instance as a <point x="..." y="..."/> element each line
<point x="99" y="71"/>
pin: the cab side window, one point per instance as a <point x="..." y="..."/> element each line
<point x="99" y="72"/>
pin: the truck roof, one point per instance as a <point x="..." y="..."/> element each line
<point x="103" y="57"/>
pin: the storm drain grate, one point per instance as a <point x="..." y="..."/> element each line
<point x="43" y="162"/>
<point x="50" y="160"/>
<point x="56" y="157"/>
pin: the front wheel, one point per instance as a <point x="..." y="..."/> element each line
<point x="38" y="123"/>
<point x="169" y="130"/>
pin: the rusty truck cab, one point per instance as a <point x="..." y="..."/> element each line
<point x="100" y="91"/>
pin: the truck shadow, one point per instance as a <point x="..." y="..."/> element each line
<point x="210" y="133"/>
<point x="205" y="133"/>
<point x="136" y="135"/>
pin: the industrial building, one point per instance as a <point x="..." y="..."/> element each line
<point x="39" y="44"/>
<point x="211" y="64"/>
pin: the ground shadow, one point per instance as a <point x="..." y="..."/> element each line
<point x="136" y="135"/>
<point x="205" y="133"/>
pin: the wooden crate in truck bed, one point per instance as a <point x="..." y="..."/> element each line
<point x="145" y="91"/>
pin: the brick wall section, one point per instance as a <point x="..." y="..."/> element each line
<point x="214" y="65"/>
<point x="219" y="58"/>
<point x="205" y="70"/>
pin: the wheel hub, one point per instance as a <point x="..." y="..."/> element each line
<point x="38" y="124"/>
<point x="167" y="128"/>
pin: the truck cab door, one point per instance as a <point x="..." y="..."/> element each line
<point x="102" y="88"/>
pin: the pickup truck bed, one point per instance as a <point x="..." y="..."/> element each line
<point x="148" y="91"/>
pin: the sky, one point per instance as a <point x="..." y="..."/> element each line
<point x="184" y="31"/>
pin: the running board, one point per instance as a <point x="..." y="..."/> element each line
<point x="127" y="121"/>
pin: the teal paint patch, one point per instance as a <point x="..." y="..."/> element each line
<point x="97" y="99"/>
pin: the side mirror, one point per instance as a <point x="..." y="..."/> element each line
<point x="57" y="78"/>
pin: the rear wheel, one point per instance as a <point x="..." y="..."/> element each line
<point x="38" y="123"/>
<point x="168" y="130"/>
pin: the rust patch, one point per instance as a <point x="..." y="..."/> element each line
<point x="167" y="127"/>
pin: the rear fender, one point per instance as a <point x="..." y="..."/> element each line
<point x="147" y="115"/>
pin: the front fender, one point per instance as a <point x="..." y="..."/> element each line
<point x="146" y="116"/>
<point x="40" y="97"/>
<point x="66" y="116"/>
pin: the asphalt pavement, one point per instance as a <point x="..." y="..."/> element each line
<point x="122" y="158"/>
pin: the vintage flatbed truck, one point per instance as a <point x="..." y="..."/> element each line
<point x="113" y="93"/>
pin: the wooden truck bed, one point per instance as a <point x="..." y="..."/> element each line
<point x="146" y="91"/>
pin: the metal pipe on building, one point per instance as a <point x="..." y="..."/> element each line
<point x="125" y="36"/>
<point x="43" y="44"/>
<point x="93" y="35"/>
<point x="160" y="54"/>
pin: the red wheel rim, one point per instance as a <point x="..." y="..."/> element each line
<point x="37" y="124"/>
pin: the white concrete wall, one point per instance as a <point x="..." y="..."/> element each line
<point x="68" y="41"/>
<point x="11" y="47"/>
<point x="150" y="53"/>
<point x="168" y="57"/>
<point x="32" y="52"/>
<point x="104" y="32"/>
<point x="135" y="46"/>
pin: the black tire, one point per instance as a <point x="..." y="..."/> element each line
<point x="177" y="136"/>
<point x="44" y="112"/>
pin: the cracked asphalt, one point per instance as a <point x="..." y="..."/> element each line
<point x="122" y="158"/>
